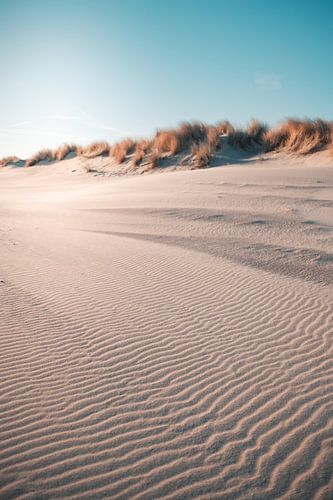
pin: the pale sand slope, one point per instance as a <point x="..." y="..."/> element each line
<point x="167" y="336"/>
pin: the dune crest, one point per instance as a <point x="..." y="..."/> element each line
<point x="194" y="145"/>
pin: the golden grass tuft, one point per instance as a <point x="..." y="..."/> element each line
<point x="202" y="155"/>
<point x="240" y="139"/>
<point x="310" y="136"/>
<point x="256" y="131"/>
<point x="153" y="160"/>
<point x="138" y="156"/>
<point x="96" y="149"/>
<point x="251" y="138"/>
<point x="122" y="149"/>
<point x="141" y="149"/>
<point x="299" y="136"/>
<point x="145" y="144"/>
<point x="66" y="149"/>
<point x="225" y="128"/>
<point x="41" y="156"/>
<point x="274" y="139"/>
<point x="168" y="141"/>
<point x="213" y="138"/>
<point x="7" y="160"/>
<point x="174" y="141"/>
<point x="191" y="132"/>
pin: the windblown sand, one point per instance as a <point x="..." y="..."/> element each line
<point x="168" y="335"/>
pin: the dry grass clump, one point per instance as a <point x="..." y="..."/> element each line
<point x="192" y="133"/>
<point x="302" y="137"/>
<point x="202" y="155"/>
<point x="120" y="150"/>
<point x="8" y="159"/>
<point x="42" y="155"/>
<point x="142" y="148"/>
<point x="153" y="160"/>
<point x="213" y="138"/>
<point x="256" y="131"/>
<point x="240" y="139"/>
<point x="299" y="136"/>
<point x="168" y="141"/>
<point x="275" y="139"/>
<point x="66" y="149"/>
<point x="174" y="141"/>
<point x="287" y="136"/>
<point x="138" y="156"/>
<point x="252" y="137"/>
<point x="140" y="151"/>
<point x="145" y="144"/>
<point x="309" y="136"/>
<point x="202" y="141"/>
<point x="225" y="128"/>
<point x="96" y="149"/>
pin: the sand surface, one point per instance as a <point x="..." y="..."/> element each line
<point x="167" y="335"/>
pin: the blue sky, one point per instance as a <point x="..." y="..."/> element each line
<point x="81" y="70"/>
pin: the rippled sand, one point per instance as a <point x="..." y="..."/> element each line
<point x="168" y="335"/>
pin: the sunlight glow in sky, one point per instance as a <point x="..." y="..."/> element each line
<point x="83" y="70"/>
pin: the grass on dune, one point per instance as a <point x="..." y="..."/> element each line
<point x="7" y="160"/>
<point x="225" y="128"/>
<point x="138" y="157"/>
<point x="122" y="149"/>
<point x="250" y="138"/>
<point x="199" y="142"/>
<point x="202" y="155"/>
<point x="153" y="160"/>
<point x="168" y="141"/>
<point x="44" y="155"/>
<point x="299" y="136"/>
<point x="141" y="149"/>
<point x="213" y="138"/>
<point x="174" y="141"/>
<point x="192" y="132"/>
<point x="96" y="149"/>
<point x="256" y="131"/>
<point x="67" y="149"/>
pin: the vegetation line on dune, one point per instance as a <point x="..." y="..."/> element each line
<point x="198" y="142"/>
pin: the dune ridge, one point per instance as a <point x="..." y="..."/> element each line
<point x="193" y="144"/>
<point x="149" y="346"/>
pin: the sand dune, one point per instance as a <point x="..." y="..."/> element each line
<point x="167" y="336"/>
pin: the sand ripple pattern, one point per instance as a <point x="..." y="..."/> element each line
<point x="148" y="371"/>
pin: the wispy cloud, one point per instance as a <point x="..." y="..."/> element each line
<point x="86" y="121"/>
<point x="268" y="81"/>
<point x="25" y="136"/>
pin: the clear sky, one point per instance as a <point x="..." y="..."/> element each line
<point x="80" y="70"/>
